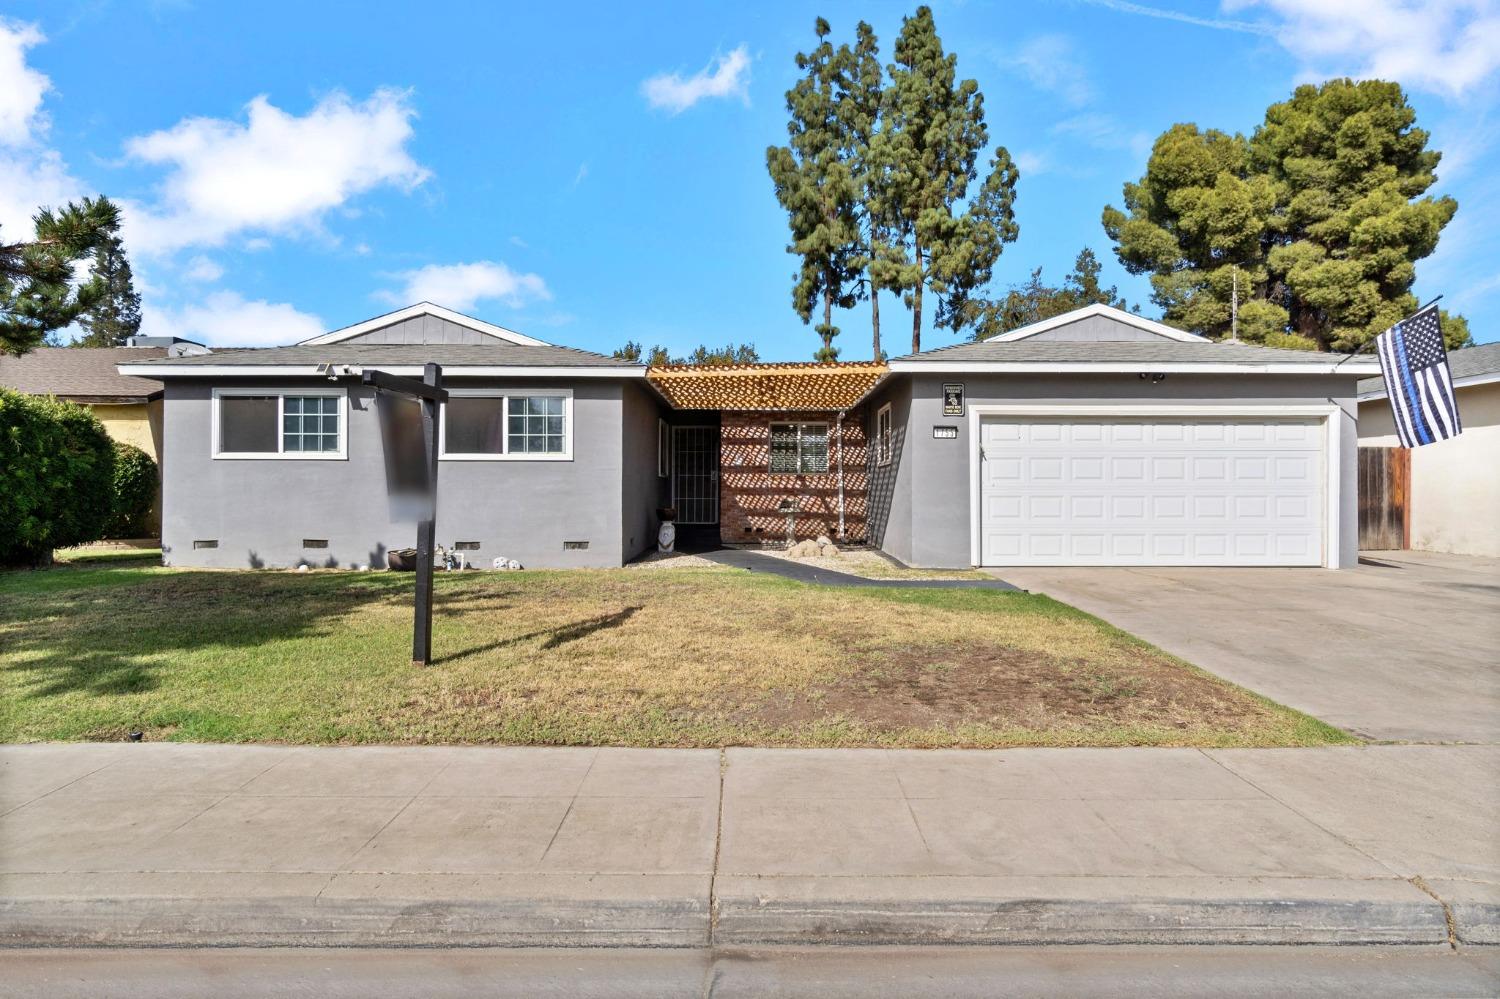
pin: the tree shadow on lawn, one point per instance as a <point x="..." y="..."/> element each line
<point x="110" y="639"/>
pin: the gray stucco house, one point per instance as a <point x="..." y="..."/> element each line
<point x="1094" y="438"/>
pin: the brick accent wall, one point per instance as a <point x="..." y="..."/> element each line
<point x="750" y="496"/>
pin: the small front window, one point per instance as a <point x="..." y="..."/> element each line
<point x="799" y="448"/>
<point x="883" y="435"/>
<point x="497" y="425"/>
<point x="278" y="424"/>
<point x="536" y="424"/>
<point x="310" y="423"/>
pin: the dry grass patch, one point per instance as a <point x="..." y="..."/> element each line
<point x="682" y="658"/>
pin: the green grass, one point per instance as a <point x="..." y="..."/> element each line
<point x="95" y="649"/>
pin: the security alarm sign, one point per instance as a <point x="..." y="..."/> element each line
<point x="953" y="399"/>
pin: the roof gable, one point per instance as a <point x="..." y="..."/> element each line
<point x="443" y="319"/>
<point x="1094" y="323"/>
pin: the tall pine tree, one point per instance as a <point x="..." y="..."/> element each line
<point x="116" y="315"/>
<point x="860" y="110"/>
<point x="927" y="147"/>
<point x="38" y="293"/>
<point x="816" y="186"/>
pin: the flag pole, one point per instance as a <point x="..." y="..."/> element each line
<point x="1361" y="348"/>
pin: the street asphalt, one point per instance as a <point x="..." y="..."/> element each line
<point x="178" y="844"/>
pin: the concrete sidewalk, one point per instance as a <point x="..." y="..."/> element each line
<point x="249" y="845"/>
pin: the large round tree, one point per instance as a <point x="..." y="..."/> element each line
<point x="1314" y="223"/>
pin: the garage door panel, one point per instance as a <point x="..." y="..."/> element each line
<point x="1152" y="491"/>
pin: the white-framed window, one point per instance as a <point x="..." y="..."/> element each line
<point x="663" y="449"/>
<point x="506" y="425"/>
<point x="297" y="423"/>
<point x="883" y="435"/>
<point x="799" y="448"/>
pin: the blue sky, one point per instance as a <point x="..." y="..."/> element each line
<point x="590" y="174"/>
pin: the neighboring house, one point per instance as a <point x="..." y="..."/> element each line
<point x="1107" y="440"/>
<point x="129" y="406"/>
<point x="1102" y="438"/>
<point x="1446" y="496"/>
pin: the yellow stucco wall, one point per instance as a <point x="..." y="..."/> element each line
<point x="1455" y="484"/>
<point x="139" y="424"/>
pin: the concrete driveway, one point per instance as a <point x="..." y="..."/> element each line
<point x="1405" y="648"/>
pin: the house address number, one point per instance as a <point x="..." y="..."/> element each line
<point x="943" y="433"/>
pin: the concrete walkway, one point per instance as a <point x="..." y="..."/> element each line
<point x="756" y="562"/>
<point x="1405" y="647"/>
<point x="158" y="844"/>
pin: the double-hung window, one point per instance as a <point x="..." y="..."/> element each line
<point x="494" y="425"/>
<point x="799" y="448"/>
<point x="279" y="423"/>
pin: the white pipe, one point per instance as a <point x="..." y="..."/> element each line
<point x="839" y="423"/>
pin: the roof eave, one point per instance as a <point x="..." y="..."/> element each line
<point x="342" y="370"/>
<point x="1133" y="367"/>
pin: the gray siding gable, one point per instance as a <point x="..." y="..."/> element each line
<point x="424" y="330"/>
<point x="1096" y="329"/>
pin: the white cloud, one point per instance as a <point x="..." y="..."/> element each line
<point x="1032" y="164"/>
<point x="21" y="87"/>
<point x="460" y="286"/>
<point x="725" y="76"/>
<point x="226" y="319"/>
<point x="1219" y="23"/>
<point x="273" y="173"/>
<point x="1102" y="132"/>
<point x="1450" y="47"/>
<point x="203" y="270"/>
<point x="1051" y="63"/>
<point x="31" y="176"/>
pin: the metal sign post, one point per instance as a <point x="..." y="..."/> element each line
<point x="411" y="475"/>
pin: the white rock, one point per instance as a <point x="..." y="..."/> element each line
<point x="823" y="540"/>
<point x="830" y="550"/>
<point x="302" y="567"/>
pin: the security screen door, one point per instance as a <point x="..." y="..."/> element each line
<point x="695" y="474"/>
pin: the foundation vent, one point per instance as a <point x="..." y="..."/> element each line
<point x="206" y="543"/>
<point x="314" y="542"/>
<point x="575" y="546"/>
<point x="466" y="546"/>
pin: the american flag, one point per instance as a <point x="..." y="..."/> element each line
<point x="1417" y="380"/>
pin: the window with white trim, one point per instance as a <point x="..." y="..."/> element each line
<point x="799" y="448"/>
<point x="278" y="423"/>
<point x="883" y="435"/>
<point x="485" y="424"/>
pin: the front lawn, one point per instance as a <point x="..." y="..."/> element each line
<point x="693" y="657"/>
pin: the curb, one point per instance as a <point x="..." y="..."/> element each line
<point x="740" y="919"/>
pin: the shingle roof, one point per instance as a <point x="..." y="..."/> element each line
<point x="777" y="387"/>
<point x="80" y="372"/>
<point x="1483" y="359"/>
<point x="498" y="353"/>
<point x="1120" y="351"/>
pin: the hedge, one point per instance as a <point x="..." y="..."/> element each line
<point x="57" y="477"/>
<point x="135" y="492"/>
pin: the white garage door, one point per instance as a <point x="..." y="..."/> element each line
<point x="1151" y="491"/>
